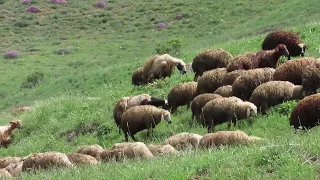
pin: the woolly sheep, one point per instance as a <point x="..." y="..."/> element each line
<point x="211" y="80"/>
<point x="210" y="59"/>
<point x="270" y="58"/>
<point x="182" y="94"/>
<point x="224" y="91"/>
<point x="244" y="85"/>
<point x="292" y="70"/>
<point x="4" y="173"/>
<point x="306" y="113"/>
<point x="133" y="149"/>
<point x="311" y="78"/>
<point x="222" y="138"/>
<point x="6" y="132"/>
<point x="241" y="62"/>
<point x="15" y="169"/>
<point x="184" y="140"/>
<point x="230" y="77"/>
<point x="92" y="150"/>
<point x="4" y="162"/>
<point x="142" y="117"/>
<point x="228" y="109"/>
<point x="294" y="44"/>
<point x="162" y="149"/>
<point x="198" y="102"/>
<point x="275" y="92"/>
<point x="112" y="155"/>
<point x="137" y="77"/>
<point x="46" y="160"/>
<point x="82" y="159"/>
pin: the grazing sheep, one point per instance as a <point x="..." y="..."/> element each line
<point x="92" y="150"/>
<point x="15" y="169"/>
<point x="137" y="77"/>
<point x="4" y="162"/>
<point x="241" y="62"/>
<point x="133" y="149"/>
<point x="184" y="140"/>
<point x="162" y="149"/>
<point x="230" y="77"/>
<point x="244" y="85"/>
<point x="4" y="173"/>
<point x="211" y="80"/>
<point x="112" y="155"/>
<point x="210" y="59"/>
<point x="224" y="91"/>
<point x="306" y="113"/>
<point x="6" y="132"/>
<point x="269" y="58"/>
<point x="292" y="70"/>
<point x="311" y="78"/>
<point x="197" y="104"/>
<point x="230" y="109"/>
<point x="142" y="117"/>
<point x="275" y="92"/>
<point x="82" y="159"/>
<point x="161" y="66"/>
<point x="46" y="160"/>
<point x="294" y="44"/>
<point x="182" y="94"/>
<point x="222" y="138"/>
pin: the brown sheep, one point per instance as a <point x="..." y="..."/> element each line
<point x="112" y="155"/>
<point x="197" y="104"/>
<point x="182" y="94"/>
<point x="306" y="113"/>
<point x="162" y="149"/>
<point x="82" y="159"/>
<point x="211" y="80"/>
<point x="137" y="77"/>
<point x="210" y="59"/>
<point x="133" y="149"/>
<point x="4" y="162"/>
<point x="15" y="169"/>
<point x="147" y="66"/>
<point x="6" y="131"/>
<point x="142" y="117"/>
<point x="223" y="138"/>
<point x="184" y="140"/>
<point x="272" y="93"/>
<point x="230" y="77"/>
<point x="224" y="91"/>
<point x="46" y="160"/>
<point x="242" y="62"/>
<point x="294" y="44"/>
<point x="230" y="109"/>
<point x="292" y="70"/>
<point x="4" y="173"/>
<point x="92" y="150"/>
<point x="269" y="58"/>
<point x="244" y="85"/>
<point x="311" y="78"/>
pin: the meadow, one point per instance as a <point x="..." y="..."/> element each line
<point x="70" y="52"/>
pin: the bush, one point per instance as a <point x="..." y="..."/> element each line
<point x="285" y="108"/>
<point x="11" y="54"/>
<point x="171" y="47"/>
<point x="33" y="80"/>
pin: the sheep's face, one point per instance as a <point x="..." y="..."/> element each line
<point x="16" y="124"/>
<point x="303" y="48"/>
<point x="165" y="105"/>
<point x="251" y="110"/>
<point x="182" y="68"/>
<point x="166" y="117"/>
<point x="283" y="50"/>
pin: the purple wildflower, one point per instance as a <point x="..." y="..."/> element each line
<point x="101" y="4"/>
<point x="11" y="54"/>
<point x="161" y="25"/>
<point x="26" y="2"/>
<point x="179" y="16"/>
<point x="33" y="9"/>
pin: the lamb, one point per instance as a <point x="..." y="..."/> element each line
<point x="198" y="102"/>
<point x="311" y="78"/>
<point x="292" y="70"/>
<point x="244" y="85"/>
<point x="142" y="117"/>
<point x="241" y="62"/>
<point x="228" y="109"/>
<point x="133" y="150"/>
<point x="210" y="59"/>
<point x="6" y="131"/>
<point x="222" y="138"/>
<point x="4" y="162"/>
<point x="46" y="160"/>
<point x="137" y="77"/>
<point x="161" y="66"/>
<point x="306" y="113"/>
<point x="82" y="159"/>
<point x="92" y="150"/>
<point x="230" y="77"/>
<point x="184" y="140"/>
<point x="224" y="91"/>
<point x="182" y="94"/>
<point x="275" y="92"/>
<point x="4" y="173"/>
<point x="294" y="44"/>
<point x="166" y="149"/>
<point x="211" y="81"/>
<point x="269" y="58"/>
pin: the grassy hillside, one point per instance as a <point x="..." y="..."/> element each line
<point x="106" y="46"/>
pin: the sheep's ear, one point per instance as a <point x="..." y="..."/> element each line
<point x="248" y="112"/>
<point x="162" y="117"/>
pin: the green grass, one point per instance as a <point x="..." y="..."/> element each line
<point x="107" y="45"/>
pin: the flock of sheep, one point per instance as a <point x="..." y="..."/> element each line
<point x="224" y="89"/>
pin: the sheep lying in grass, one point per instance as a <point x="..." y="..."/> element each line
<point x="275" y="92"/>
<point x="82" y="159"/>
<point x="4" y="162"/>
<point x="112" y="155"/>
<point x="211" y="80"/>
<point x="4" y="173"/>
<point x="143" y="117"/>
<point x="184" y="140"/>
<point x="15" y="169"/>
<point x="166" y="149"/>
<point x="210" y="59"/>
<point x="228" y="109"/>
<point x="92" y="150"/>
<point x="6" y="132"/>
<point x="222" y="138"/>
<point x="224" y="91"/>
<point x="133" y="150"/>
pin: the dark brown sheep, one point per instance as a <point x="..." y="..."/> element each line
<point x="230" y="77"/>
<point x="294" y="44"/>
<point x="292" y="70"/>
<point x="241" y="62"/>
<point x="182" y="94"/>
<point x="306" y="113"/>
<point x="211" y="80"/>
<point x="142" y="117"/>
<point x="311" y="78"/>
<point x="210" y="59"/>
<point x="137" y="77"/>
<point x="269" y="58"/>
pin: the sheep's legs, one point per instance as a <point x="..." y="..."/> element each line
<point x="149" y="132"/>
<point x="196" y="77"/>
<point x="211" y="127"/>
<point x="264" y="108"/>
<point x="126" y="137"/>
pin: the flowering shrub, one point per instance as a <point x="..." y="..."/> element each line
<point x="161" y="25"/>
<point x="33" y="9"/>
<point x="179" y="16"/>
<point x="11" y="54"/>
<point x="101" y="4"/>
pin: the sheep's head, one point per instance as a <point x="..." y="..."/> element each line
<point x="166" y="116"/>
<point x="16" y="124"/>
<point x="251" y="109"/>
<point x="282" y="49"/>
<point x="182" y="67"/>
<point x="303" y="48"/>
